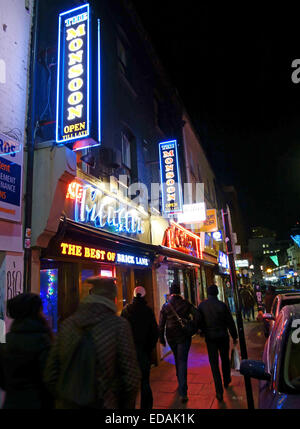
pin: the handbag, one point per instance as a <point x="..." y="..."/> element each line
<point x="188" y="326"/>
<point x="235" y="359"/>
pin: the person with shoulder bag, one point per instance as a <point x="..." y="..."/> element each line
<point x="180" y="320"/>
<point x="215" y="320"/>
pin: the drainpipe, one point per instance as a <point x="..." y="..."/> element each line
<point x="31" y="131"/>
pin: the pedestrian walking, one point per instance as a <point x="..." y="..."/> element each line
<point x="145" y="336"/>
<point x="252" y="300"/>
<point x="248" y="301"/>
<point x="269" y="298"/>
<point x="229" y="296"/>
<point x="178" y="339"/>
<point x="93" y="361"/>
<point x="23" y="356"/>
<point x="215" y="320"/>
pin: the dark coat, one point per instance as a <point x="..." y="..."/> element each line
<point x="23" y="358"/>
<point x="247" y="298"/>
<point x="118" y="374"/>
<point x="143" y="324"/>
<point x="215" y="319"/>
<point x="174" y="332"/>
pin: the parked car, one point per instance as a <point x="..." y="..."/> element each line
<point x="279" y="369"/>
<point x="280" y="301"/>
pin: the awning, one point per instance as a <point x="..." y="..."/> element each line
<point x="71" y="230"/>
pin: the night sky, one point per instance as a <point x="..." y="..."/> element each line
<point x="232" y="67"/>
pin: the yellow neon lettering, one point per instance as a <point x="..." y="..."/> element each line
<point x="170" y="197"/>
<point x="75" y="98"/>
<point x="75" y="84"/>
<point x="166" y="154"/>
<point x="75" y="112"/>
<point x="169" y="167"/>
<point x="170" y="175"/>
<point x="64" y="247"/>
<point x="171" y="190"/>
<point x="76" y="70"/>
<point x="72" y="33"/>
<point x="72" y="249"/>
<point x="170" y="182"/>
<point x="75" y="45"/>
<point x="75" y="58"/>
<point x="78" y="251"/>
<point x="86" y="252"/>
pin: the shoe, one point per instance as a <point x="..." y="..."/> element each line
<point x="184" y="399"/>
<point x="219" y="397"/>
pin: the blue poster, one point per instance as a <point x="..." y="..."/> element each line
<point x="10" y="182"/>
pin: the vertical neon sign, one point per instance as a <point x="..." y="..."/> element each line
<point x="170" y="177"/>
<point x="73" y="75"/>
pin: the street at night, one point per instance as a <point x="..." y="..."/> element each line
<point x="149" y="209"/>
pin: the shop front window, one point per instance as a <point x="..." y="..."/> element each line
<point x="48" y="294"/>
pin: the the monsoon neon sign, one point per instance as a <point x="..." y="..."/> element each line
<point x="170" y="177"/>
<point x="73" y="75"/>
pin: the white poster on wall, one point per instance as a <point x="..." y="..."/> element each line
<point x="11" y="284"/>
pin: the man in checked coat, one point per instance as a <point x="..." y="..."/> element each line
<point x="117" y="371"/>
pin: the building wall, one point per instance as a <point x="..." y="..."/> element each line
<point x="15" y="35"/>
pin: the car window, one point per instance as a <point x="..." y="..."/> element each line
<point x="285" y="302"/>
<point x="292" y="361"/>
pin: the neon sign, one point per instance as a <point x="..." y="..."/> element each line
<point x="181" y="239"/>
<point x="103" y="211"/>
<point x="223" y="260"/>
<point x="217" y="235"/>
<point x="73" y="75"/>
<point x="192" y="213"/>
<point x="86" y="252"/>
<point x="74" y="191"/>
<point x="170" y="177"/>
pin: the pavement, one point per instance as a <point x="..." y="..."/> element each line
<point x="201" y="391"/>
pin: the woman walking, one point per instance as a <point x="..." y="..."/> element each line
<point x="24" y="355"/>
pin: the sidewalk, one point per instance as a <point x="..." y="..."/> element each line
<point x="201" y="390"/>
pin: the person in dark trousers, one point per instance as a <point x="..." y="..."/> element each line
<point x="215" y="320"/>
<point x="24" y="355"/>
<point x="117" y="374"/>
<point x="145" y="336"/>
<point x="269" y="298"/>
<point x="179" y="342"/>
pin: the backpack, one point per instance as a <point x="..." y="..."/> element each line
<point x="77" y="383"/>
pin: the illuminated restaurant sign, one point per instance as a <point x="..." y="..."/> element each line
<point x="170" y="177"/>
<point x="101" y="255"/>
<point x="73" y="111"/>
<point x="178" y="238"/>
<point x="192" y="213"/>
<point x="93" y="206"/>
<point x="211" y="222"/>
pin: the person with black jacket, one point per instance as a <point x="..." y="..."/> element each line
<point x="178" y="340"/>
<point x="24" y="355"/>
<point x="145" y="336"/>
<point x="215" y="320"/>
